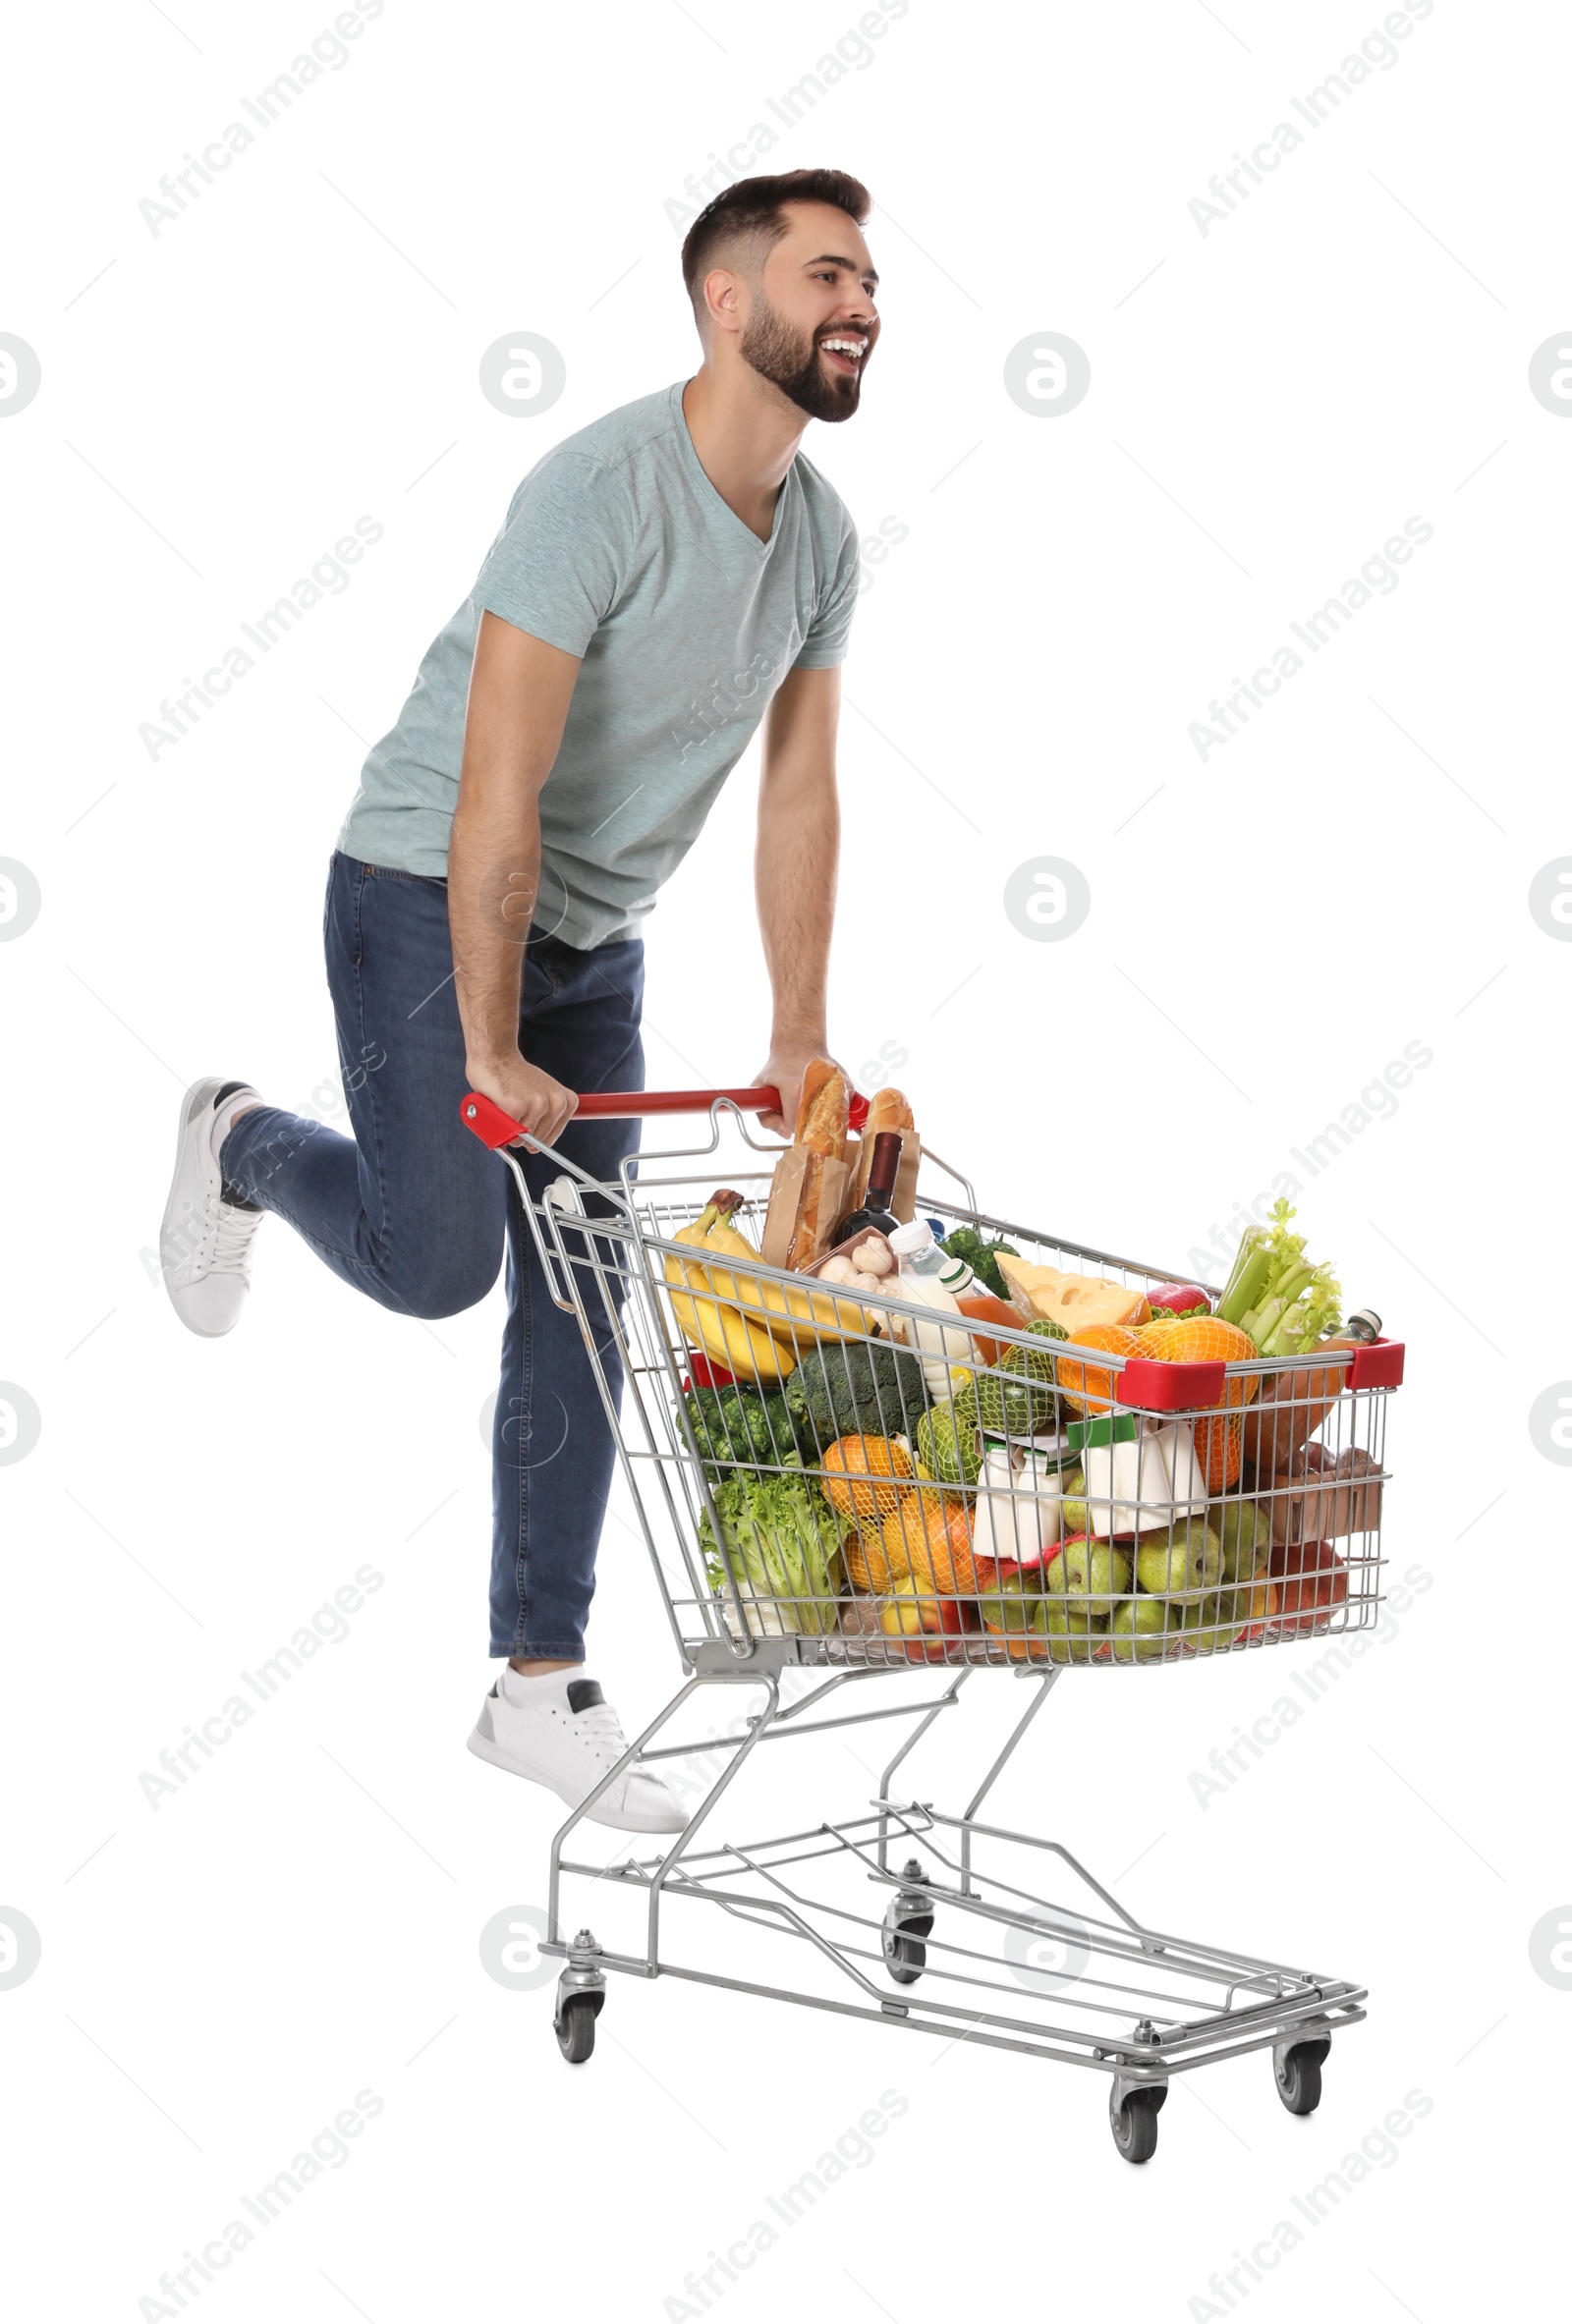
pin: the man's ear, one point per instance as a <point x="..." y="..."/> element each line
<point x="721" y="301"/>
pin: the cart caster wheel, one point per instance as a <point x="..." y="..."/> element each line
<point x="905" y="1953"/>
<point x="576" y="2027"/>
<point x="1135" y="2124"/>
<point x="1296" y="2074"/>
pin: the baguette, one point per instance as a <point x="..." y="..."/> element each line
<point x="810" y="1228"/>
<point x="887" y="1109"/>
<point x="824" y="1111"/>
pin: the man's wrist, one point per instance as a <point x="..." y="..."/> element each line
<point x="484" y="1066"/>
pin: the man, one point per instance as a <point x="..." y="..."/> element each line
<point x="666" y="580"/>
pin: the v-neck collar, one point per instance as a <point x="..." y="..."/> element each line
<point x="695" y="465"/>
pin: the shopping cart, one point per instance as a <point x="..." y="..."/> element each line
<point x="1217" y="1553"/>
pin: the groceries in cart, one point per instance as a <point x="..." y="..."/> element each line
<point x="929" y="1438"/>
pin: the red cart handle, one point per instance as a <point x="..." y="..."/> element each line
<point x="495" y="1129"/>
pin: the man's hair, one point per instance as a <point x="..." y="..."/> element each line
<point x="754" y="211"/>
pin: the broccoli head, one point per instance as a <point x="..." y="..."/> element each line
<point x="981" y="1256"/>
<point x="736" y="1429"/>
<point x="860" y="1388"/>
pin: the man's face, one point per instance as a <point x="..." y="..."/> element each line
<point x="811" y="323"/>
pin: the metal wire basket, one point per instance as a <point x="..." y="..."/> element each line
<point x="860" y="1486"/>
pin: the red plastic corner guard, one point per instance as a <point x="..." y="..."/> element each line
<point x="1380" y="1365"/>
<point x="1146" y="1385"/>
<point x="491" y="1125"/>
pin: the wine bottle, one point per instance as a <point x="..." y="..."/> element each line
<point x="873" y="1211"/>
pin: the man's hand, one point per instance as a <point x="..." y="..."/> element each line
<point x="783" y="1070"/>
<point x="529" y="1095"/>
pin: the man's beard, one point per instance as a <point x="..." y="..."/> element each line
<point x="793" y="365"/>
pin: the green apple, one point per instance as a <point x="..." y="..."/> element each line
<point x="1092" y="1574"/>
<point x="947" y="1443"/>
<point x="1137" y="1630"/>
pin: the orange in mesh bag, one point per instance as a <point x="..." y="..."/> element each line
<point x="1206" y="1339"/>
<point x="1088" y="1386"/>
<point x="1202" y="1339"/>
<point x="928" y="1536"/>
<point x="863" y="1475"/>
<point x="1220" y="1450"/>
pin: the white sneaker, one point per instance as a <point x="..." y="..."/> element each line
<point x="562" y="1733"/>
<point x="204" y="1245"/>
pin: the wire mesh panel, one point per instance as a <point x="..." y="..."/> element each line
<point x="857" y="1479"/>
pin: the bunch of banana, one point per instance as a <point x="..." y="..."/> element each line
<point x="757" y="1329"/>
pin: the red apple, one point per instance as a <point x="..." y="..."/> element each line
<point x="1310" y="1580"/>
<point x="1185" y="1299"/>
<point x="924" y="1622"/>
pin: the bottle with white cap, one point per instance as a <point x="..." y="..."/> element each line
<point x="922" y="1284"/>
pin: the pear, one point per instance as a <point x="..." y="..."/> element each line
<point x="1072" y="1503"/>
<point x="1183" y="1568"/>
<point x="1212" y="1623"/>
<point x="1137" y="1631"/>
<point x="1072" y="1637"/>
<point x="1062" y="1616"/>
<point x="1244" y="1529"/>
<point x="1092" y="1574"/>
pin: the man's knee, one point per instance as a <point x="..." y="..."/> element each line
<point x="449" y="1284"/>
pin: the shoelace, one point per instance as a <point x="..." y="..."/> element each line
<point x="232" y="1242"/>
<point x="605" y="1730"/>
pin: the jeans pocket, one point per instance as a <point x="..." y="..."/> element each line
<point x="341" y="911"/>
<point x="541" y="980"/>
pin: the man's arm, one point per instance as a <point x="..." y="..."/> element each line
<point x="520" y="690"/>
<point x="795" y="867"/>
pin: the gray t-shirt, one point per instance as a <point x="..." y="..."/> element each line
<point x="618" y="548"/>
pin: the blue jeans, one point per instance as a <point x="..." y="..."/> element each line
<point x="415" y="1211"/>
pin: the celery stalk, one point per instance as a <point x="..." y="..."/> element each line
<point x="1262" y="1321"/>
<point x="1248" y="1280"/>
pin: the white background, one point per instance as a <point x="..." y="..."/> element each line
<point x="1348" y="350"/>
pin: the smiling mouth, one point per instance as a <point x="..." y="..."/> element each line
<point x="844" y="351"/>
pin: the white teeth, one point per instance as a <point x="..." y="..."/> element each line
<point x="847" y="347"/>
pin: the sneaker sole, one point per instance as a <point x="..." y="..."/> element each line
<point x="494" y="1756"/>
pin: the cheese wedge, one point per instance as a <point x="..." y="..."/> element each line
<point x="1070" y="1299"/>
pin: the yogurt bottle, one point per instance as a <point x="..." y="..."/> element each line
<point x="920" y="1285"/>
<point x="1140" y="1472"/>
<point x="1017" y="1513"/>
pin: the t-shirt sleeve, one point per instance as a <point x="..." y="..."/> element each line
<point x="560" y="562"/>
<point x="830" y="629"/>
